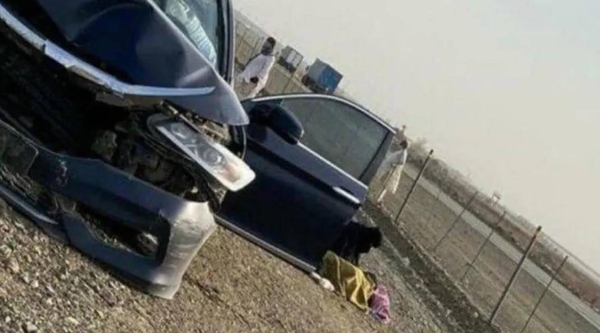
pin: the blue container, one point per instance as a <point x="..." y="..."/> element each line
<point x="323" y="78"/>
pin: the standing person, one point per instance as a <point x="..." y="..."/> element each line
<point x="401" y="134"/>
<point x="256" y="74"/>
<point x="391" y="169"/>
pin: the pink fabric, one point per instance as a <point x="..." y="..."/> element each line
<point x="379" y="304"/>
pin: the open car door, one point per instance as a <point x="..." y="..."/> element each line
<point x="305" y="194"/>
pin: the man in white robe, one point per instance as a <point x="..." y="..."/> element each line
<point x="256" y="74"/>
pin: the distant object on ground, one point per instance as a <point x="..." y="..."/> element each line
<point x="495" y="198"/>
<point x="290" y="59"/>
<point x="322" y="78"/>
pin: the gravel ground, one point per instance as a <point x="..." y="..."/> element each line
<point x="232" y="286"/>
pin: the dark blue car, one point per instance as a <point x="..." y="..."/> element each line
<point x="305" y="194"/>
<point x="120" y="134"/>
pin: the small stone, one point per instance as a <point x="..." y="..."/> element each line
<point x="448" y="313"/>
<point x="13" y="265"/>
<point x="476" y="315"/>
<point x="35" y="284"/>
<point x="63" y="277"/>
<point x="7" y="319"/>
<point x="100" y="314"/>
<point x="405" y="261"/>
<point x="50" y="290"/>
<point x="25" y="278"/>
<point x="30" y="328"/>
<point x="49" y="301"/>
<point x="72" y="321"/>
<point x="5" y="251"/>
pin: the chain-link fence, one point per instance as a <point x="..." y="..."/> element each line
<point x="478" y="243"/>
<point x="281" y="81"/>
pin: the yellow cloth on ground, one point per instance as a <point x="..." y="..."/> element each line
<point x="348" y="280"/>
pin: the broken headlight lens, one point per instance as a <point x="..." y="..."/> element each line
<point x="217" y="160"/>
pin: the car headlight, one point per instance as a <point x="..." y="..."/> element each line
<point x="217" y="160"/>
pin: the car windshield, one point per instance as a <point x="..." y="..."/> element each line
<point x="201" y="22"/>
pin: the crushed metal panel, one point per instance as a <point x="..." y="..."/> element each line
<point x="181" y="226"/>
<point x="155" y="59"/>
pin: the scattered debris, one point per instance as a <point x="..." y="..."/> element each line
<point x="5" y="251"/>
<point x="72" y="321"/>
<point x="13" y="265"/>
<point x="30" y="328"/>
<point x="405" y="261"/>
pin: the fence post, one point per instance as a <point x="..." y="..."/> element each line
<point x="482" y="246"/>
<point x="456" y="221"/>
<point x="284" y="91"/>
<point x="544" y="293"/>
<point x="414" y="185"/>
<point x="243" y="41"/>
<point x="513" y="278"/>
<point x="292" y="75"/>
<point x="245" y="33"/>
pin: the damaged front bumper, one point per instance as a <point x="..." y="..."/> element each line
<point x="180" y="226"/>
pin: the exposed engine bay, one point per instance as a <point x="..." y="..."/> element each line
<point x="75" y="114"/>
<point x="68" y="119"/>
<point x="117" y="135"/>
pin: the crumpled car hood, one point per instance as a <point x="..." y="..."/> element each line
<point x="131" y="37"/>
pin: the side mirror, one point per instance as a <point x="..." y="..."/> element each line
<point x="286" y="125"/>
<point x="280" y="120"/>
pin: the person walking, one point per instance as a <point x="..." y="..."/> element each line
<point x="256" y="74"/>
<point x="391" y="170"/>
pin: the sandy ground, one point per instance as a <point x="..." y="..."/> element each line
<point x="232" y="286"/>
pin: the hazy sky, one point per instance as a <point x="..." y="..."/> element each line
<point x="505" y="91"/>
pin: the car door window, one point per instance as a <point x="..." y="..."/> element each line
<point x="338" y="132"/>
